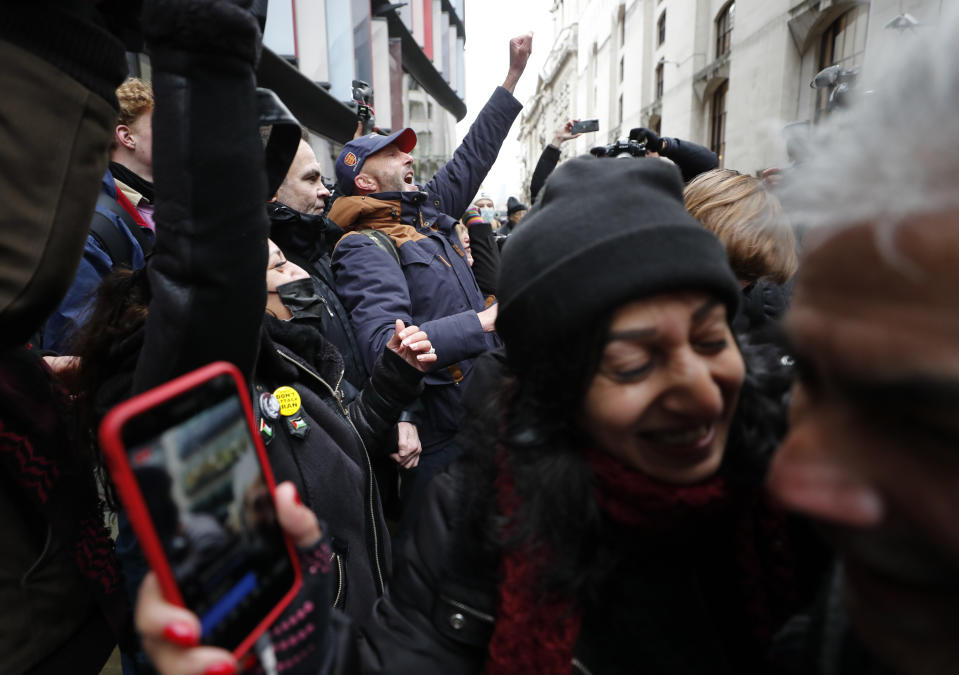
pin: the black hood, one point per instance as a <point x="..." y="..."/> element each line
<point x="302" y="237"/>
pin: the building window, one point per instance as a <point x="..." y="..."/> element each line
<point x="622" y="28"/>
<point x="842" y="44"/>
<point x="724" y="29"/>
<point x="661" y="29"/>
<point x="655" y="125"/>
<point x="339" y="43"/>
<point x="622" y="67"/>
<point x="659" y="80"/>
<point x="620" y="109"/>
<point x="717" y="125"/>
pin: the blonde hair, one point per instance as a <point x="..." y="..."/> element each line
<point x="748" y="220"/>
<point x="135" y="97"/>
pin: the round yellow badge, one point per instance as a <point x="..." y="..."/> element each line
<point x="289" y="400"/>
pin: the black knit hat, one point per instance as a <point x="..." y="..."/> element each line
<point x="605" y="232"/>
<point x="513" y="205"/>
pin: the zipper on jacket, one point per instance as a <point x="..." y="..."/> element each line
<point x="339" y="579"/>
<point x="578" y="665"/>
<point x="43" y="554"/>
<point x="338" y="395"/>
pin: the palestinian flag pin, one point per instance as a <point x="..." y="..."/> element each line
<point x="297" y="426"/>
<point x="266" y="432"/>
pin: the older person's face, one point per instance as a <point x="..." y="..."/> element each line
<point x="302" y="189"/>
<point x="873" y="446"/>
<point x="666" y="388"/>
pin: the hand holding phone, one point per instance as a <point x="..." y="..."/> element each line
<point x="170" y="632"/>
<point x="582" y="126"/>
<point x="198" y="489"/>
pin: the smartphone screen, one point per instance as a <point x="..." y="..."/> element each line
<point x="194" y="460"/>
<point x="584" y="126"/>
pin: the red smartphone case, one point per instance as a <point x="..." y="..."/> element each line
<point x="115" y="451"/>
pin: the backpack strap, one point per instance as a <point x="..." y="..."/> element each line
<point x="383" y="242"/>
<point x="108" y="234"/>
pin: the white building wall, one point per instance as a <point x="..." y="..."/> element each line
<point x="416" y="10"/>
<point x="438" y="35"/>
<point x="381" y="73"/>
<point x="768" y="70"/>
<point x="311" y="39"/>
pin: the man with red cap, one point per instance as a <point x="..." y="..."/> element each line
<point x="410" y="264"/>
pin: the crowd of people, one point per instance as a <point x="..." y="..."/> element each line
<point x="638" y="427"/>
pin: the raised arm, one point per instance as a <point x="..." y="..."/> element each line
<point x="550" y="158"/>
<point x="206" y="274"/>
<point x="519" y="50"/>
<point x="456" y="183"/>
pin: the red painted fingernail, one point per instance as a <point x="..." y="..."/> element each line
<point x="181" y="634"/>
<point x="296" y="496"/>
<point x="222" y="668"/>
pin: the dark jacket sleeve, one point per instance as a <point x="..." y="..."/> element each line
<point x="544" y="167"/>
<point x="692" y="159"/>
<point x="485" y="256"/>
<point x="207" y="272"/>
<point x="459" y="179"/>
<point x="393" y="386"/>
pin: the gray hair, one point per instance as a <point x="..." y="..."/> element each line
<point x="894" y="154"/>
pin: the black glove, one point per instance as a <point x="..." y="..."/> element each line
<point x="227" y="27"/>
<point x="653" y="142"/>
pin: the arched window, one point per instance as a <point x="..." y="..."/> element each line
<point x="659" y="80"/>
<point x="717" y="122"/>
<point x="724" y="29"/>
<point x="843" y="43"/>
<point x="661" y="29"/>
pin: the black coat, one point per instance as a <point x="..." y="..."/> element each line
<point x="331" y="464"/>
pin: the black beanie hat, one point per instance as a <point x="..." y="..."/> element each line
<point x="605" y="232"/>
<point x="283" y="141"/>
<point x="513" y="205"/>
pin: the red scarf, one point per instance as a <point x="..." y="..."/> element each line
<point x="533" y="636"/>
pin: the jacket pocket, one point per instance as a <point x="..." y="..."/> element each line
<point x="433" y="286"/>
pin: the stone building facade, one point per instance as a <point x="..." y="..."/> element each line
<point x="733" y="75"/>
